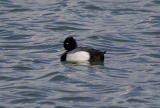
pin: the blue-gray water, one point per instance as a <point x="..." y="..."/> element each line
<point x="31" y="37"/>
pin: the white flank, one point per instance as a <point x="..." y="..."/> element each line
<point x="78" y="56"/>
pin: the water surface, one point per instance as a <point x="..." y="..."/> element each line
<point x="31" y="43"/>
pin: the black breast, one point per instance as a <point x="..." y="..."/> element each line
<point x="63" y="57"/>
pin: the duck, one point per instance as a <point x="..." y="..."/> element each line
<point x="74" y="53"/>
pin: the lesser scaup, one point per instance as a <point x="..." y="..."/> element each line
<point x="79" y="54"/>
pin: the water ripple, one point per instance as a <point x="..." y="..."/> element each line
<point x="66" y="28"/>
<point x="31" y="43"/>
<point x="78" y="99"/>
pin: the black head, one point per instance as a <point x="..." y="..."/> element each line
<point x="70" y="43"/>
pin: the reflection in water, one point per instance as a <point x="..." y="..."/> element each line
<point x="86" y="63"/>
